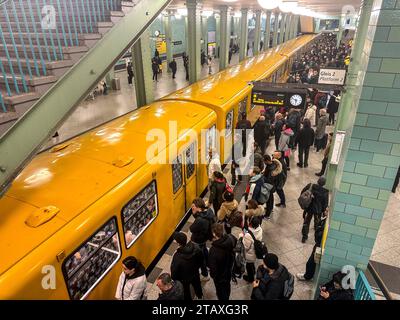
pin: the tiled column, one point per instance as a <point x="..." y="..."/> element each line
<point x="276" y="24"/>
<point x="287" y="26"/>
<point x="204" y="33"/>
<point x="296" y="26"/>
<point x="267" y="34"/>
<point x="257" y="37"/>
<point x="225" y="36"/>
<point x="317" y="24"/>
<point x="282" y="27"/>
<point x="194" y="35"/>
<point x="371" y="151"/>
<point x="244" y="28"/>
<point x="217" y="33"/>
<point x="168" y="38"/>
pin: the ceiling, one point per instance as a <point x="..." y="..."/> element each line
<point x="326" y="7"/>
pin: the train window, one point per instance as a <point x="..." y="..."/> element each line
<point x="85" y="268"/>
<point x="229" y="123"/>
<point x="139" y="213"/>
<point x="177" y="178"/>
<point x="211" y="138"/>
<point x="243" y="106"/>
<point x="189" y="160"/>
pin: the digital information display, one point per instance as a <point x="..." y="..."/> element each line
<point x="268" y="98"/>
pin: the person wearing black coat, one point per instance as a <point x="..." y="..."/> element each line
<point x="201" y="230"/>
<point x="217" y="189"/>
<point x="185" y="265"/>
<point x="173" y="67"/>
<point x="305" y="139"/>
<point x="261" y="133"/>
<point x="154" y="67"/>
<point x="334" y="291"/>
<point x="271" y="277"/>
<point x="130" y="73"/>
<point x="220" y="261"/>
<point x="278" y="127"/>
<point x="332" y="107"/>
<point x="243" y="125"/>
<point x="281" y="179"/>
<point x="318" y="206"/>
<point x="170" y="290"/>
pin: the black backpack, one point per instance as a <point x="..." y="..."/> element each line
<point x="288" y="287"/>
<point x="211" y="220"/>
<point x="239" y="260"/>
<point x="259" y="247"/>
<point x="292" y="120"/>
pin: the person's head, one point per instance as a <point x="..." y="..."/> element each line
<point x="262" y="118"/>
<point x="243" y="115"/>
<point x="217" y="230"/>
<point x="322" y="112"/>
<point x="164" y="282"/>
<point x="267" y="159"/>
<point x="218" y="175"/>
<point x="129" y="265"/>
<point x="180" y="238"/>
<point x="271" y="262"/>
<point x="278" y="116"/>
<point x="236" y="219"/>
<point x="255" y="171"/>
<point x="255" y="222"/>
<point x="306" y="123"/>
<point x="198" y="205"/>
<point x="212" y="152"/>
<point x="277" y="154"/>
<point x="228" y="196"/>
<point x="321" y="181"/>
<point x="315" y="72"/>
<point x="337" y="280"/>
<point x="252" y="204"/>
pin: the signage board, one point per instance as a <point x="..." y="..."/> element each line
<point x="268" y="98"/>
<point x="332" y="76"/>
<point x="177" y="43"/>
<point x="279" y="98"/>
<point x="337" y="147"/>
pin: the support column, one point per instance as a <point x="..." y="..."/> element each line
<point x="204" y="33"/>
<point x="194" y="34"/>
<point x="276" y="23"/>
<point x="340" y="33"/>
<point x="287" y="27"/>
<point x="317" y="24"/>
<point x="108" y="78"/>
<point x="267" y="33"/>
<point x="282" y="28"/>
<point x="296" y="26"/>
<point x="168" y="38"/>
<point x="370" y="156"/>
<point x="257" y="35"/>
<point x="217" y="34"/>
<point x="291" y="26"/>
<point x="244" y="33"/>
<point x="225" y="36"/>
<point x="141" y="63"/>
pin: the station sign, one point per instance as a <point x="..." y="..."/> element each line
<point x="332" y="76"/>
<point x="279" y="97"/>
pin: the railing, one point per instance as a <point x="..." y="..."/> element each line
<point x="379" y="282"/>
<point x="35" y="32"/>
<point x="363" y="289"/>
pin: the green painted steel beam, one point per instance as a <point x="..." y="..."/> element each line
<point x="244" y="33"/>
<point x="257" y="37"/>
<point x="225" y="37"/>
<point x="267" y="34"/>
<point x="22" y="141"/>
<point x="276" y="23"/>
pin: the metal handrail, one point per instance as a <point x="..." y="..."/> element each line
<point x="379" y="282"/>
<point x="363" y="289"/>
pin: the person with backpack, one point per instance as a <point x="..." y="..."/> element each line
<point x="185" y="265"/>
<point x="319" y="201"/>
<point x="255" y="233"/>
<point x="217" y="189"/>
<point x="132" y="284"/>
<point x="284" y="144"/>
<point x="201" y="231"/>
<point x="220" y="261"/>
<point x="305" y="139"/>
<point x="258" y="157"/>
<point x="293" y="122"/>
<point x="228" y="206"/>
<point x="274" y="282"/>
<point x="254" y="187"/>
<point x="273" y="168"/>
<point x="236" y="224"/>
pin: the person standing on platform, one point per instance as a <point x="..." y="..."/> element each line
<point x="201" y="231"/>
<point x="332" y="106"/>
<point x="284" y="144"/>
<point x="156" y="53"/>
<point x="170" y="290"/>
<point x="255" y="231"/>
<point x="130" y="73"/>
<point x="214" y="164"/>
<point x="186" y="65"/>
<point x="185" y="265"/>
<point x="273" y="169"/>
<point x="154" y="67"/>
<point x="305" y="139"/>
<point x="132" y="282"/>
<point x="320" y="132"/>
<point x="317" y="207"/>
<point x="173" y="67"/>
<point x="230" y="55"/>
<point x="209" y="65"/>
<point x="281" y="179"/>
<point x="228" y="206"/>
<point x="217" y="189"/>
<point x="326" y="156"/>
<point x="278" y="128"/>
<point x="220" y="261"/>
<point x="293" y="122"/>
<point x="243" y="125"/>
<point x="261" y="133"/>
<point x="311" y="114"/>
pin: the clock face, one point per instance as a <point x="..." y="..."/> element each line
<point x="296" y="100"/>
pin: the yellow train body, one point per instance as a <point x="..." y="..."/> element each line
<point x="78" y="209"/>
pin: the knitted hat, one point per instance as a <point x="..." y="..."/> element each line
<point x="271" y="261"/>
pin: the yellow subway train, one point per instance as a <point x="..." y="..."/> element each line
<point x="81" y="207"/>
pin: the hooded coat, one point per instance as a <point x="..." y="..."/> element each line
<point x="201" y="227"/>
<point x="261" y="131"/>
<point x="220" y="258"/>
<point x="321" y="127"/>
<point x="132" y="287"/>
<point x="271" y="286"/>
<point x="186" y="262"/>
<point x="175" y="293"/>
<point x="311" y="114"/>
<point x="226" y="209"/>
<point x="320" y="199"/>
<point x="259" y="211"/>
<point x="216" y="191"/>
<point x="284" y="139"/>
<point x="249" y="243"/>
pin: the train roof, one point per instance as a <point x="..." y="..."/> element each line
<point x="77" y="173"/>
<point x="220" y="89"/>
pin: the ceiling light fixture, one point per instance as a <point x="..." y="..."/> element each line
<point x="269" y="4"/>
<point x="288" y="6"/>
<point x="207" y="13"/>
<point x="182" y="12"/>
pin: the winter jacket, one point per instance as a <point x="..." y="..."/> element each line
<point x="337" y="294"/>
<point x="261" y="131"/>
<point x="236" y="232"/>
<point x="132" y="287"/>
<point x="332" y="106"/>
<point x="311" y="114"/>
<point x="321" y="127"/>
<point x="278" y="127"/>
<point x="201" y="227"/>
<point x="216" y="191"/>
<point x="186" y="262"/>
<point x="272" y="173"/>
<point x="320" y="199"/>
<point x="249" y="243"/>
<point x="253" y="189"/>
<point x="220" y="258"/>
<point x="226" y="209"/>
<point x="296" y="116"/>
<point x="214" y="165"/>
<point x="284" y="139"/>
<point x="258" y="159"/>
<point x="255" y="212"/>
<point x="271" y="286"/>
<point x="305" y="138"/>
<point x="175" y="293"/>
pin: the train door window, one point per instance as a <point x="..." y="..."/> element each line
<point x="177" y="177"/>
<point x="211" y="139"/>
<point x="189" y="160"/>
<point x="243" y="106"/>
<point x="229" y="123"/>
<point x="139" y="213"/>
<point x="85" y="268"/>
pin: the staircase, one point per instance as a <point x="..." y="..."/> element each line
<point x="40" y="40"/>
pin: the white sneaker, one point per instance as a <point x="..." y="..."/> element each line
<point x="203" y="278"/>
<point x="300" y="276"/>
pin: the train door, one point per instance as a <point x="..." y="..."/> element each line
<point x="228" y="134"/>
<point x="190" y="174"/>
<point x="178" y="188"/>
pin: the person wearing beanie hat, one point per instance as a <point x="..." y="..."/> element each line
<point x="271" y="278"/>
<point x="185" y="265"/>
<point x="132" y="282"/>
<point x="318" y="206"/>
